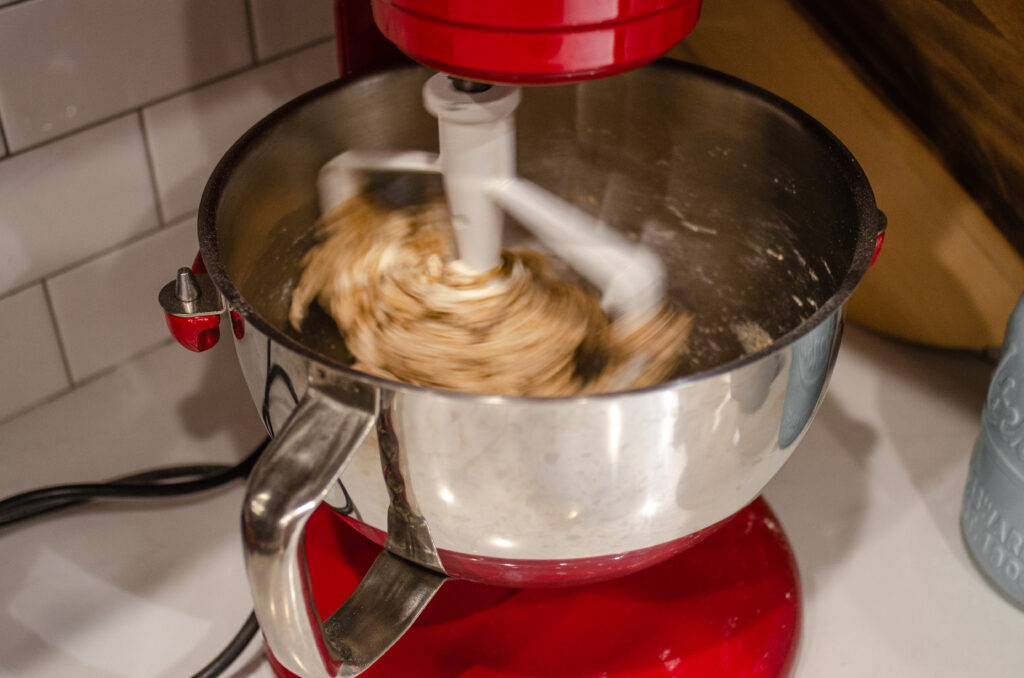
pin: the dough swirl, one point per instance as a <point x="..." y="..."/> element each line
<point x="409" y="311"/>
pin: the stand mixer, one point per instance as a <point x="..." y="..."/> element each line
<point x="632" y="497"/>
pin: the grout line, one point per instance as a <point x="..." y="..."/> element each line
<point x="88" y="380"/>
<point x="32" y="406"/>
<point x="84" y="382"/>
<point x="60" y="337"/>
<point x="165" y="97"/>
<point x="132" y="357"/>
<point x="138" y="237"/>
<point x="20" y="288"/>
<point x="11" y="153"/>
<point x="151" y="164"/>
<point x="125" y="113"/>
<point x="292" y="51"/>
<point x="250" y="23"/>
<point x="162" y="218"/>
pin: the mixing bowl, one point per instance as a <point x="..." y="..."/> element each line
<point x="765" y="223"/>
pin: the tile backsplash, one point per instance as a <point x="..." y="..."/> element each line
<point x="112" y="116"/>
<point x="31" y="367"/>
<point x="188" y="134"/>
<point x="276" y="27"/>
<point x="60" y="56"/>
<point x="71" y="199"/>
<point x="117" y="288"/>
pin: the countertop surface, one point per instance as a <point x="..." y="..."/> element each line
<point x="870" y="500"/>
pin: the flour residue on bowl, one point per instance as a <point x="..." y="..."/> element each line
<point x="751" y="335"/>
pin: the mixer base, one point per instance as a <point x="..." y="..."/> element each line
<point x="729" y="606"/>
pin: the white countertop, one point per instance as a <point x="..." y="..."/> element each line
<point x="870" y="501"/>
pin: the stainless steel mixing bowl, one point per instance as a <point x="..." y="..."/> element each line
<point x="765" y="223"/>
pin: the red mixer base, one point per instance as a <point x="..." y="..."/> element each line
<point x="729" y="606"/>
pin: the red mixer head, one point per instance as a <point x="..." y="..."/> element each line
<point x="535" y="41"/>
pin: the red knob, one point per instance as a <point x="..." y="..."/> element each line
<point x="196" y="334"/>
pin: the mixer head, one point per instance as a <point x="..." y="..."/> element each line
<point x="535" y="42"/>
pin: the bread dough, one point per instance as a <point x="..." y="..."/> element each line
<point x="409" y="311"/>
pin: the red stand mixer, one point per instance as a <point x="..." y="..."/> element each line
<point x="610" y="535"/>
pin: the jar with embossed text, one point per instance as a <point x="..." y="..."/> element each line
<point x="993" y="509"/>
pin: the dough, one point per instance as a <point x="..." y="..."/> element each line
<point x="409" y="311"/>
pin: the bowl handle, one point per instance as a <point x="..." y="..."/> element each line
<point x="286" y="485"/>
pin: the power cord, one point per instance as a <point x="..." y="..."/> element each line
<point x="230" y="653"/>
<point x="157" y="483"/>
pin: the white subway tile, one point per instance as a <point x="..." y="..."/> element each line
<point x="282" y="25"/>
<point x="67" y="62"/>
<point x="170" y="406"/>
<point x="189" y="133"/>
<point x="67" y="200"/>
<point x="107" y="308"/>
<point x="31" y="367"/>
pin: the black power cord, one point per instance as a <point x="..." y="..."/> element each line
<point x="148" y="484"/>
<point x="157" y="483"/>
<point x="230" y="653"/>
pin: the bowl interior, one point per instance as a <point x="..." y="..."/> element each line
<point x="764" y="221"/>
